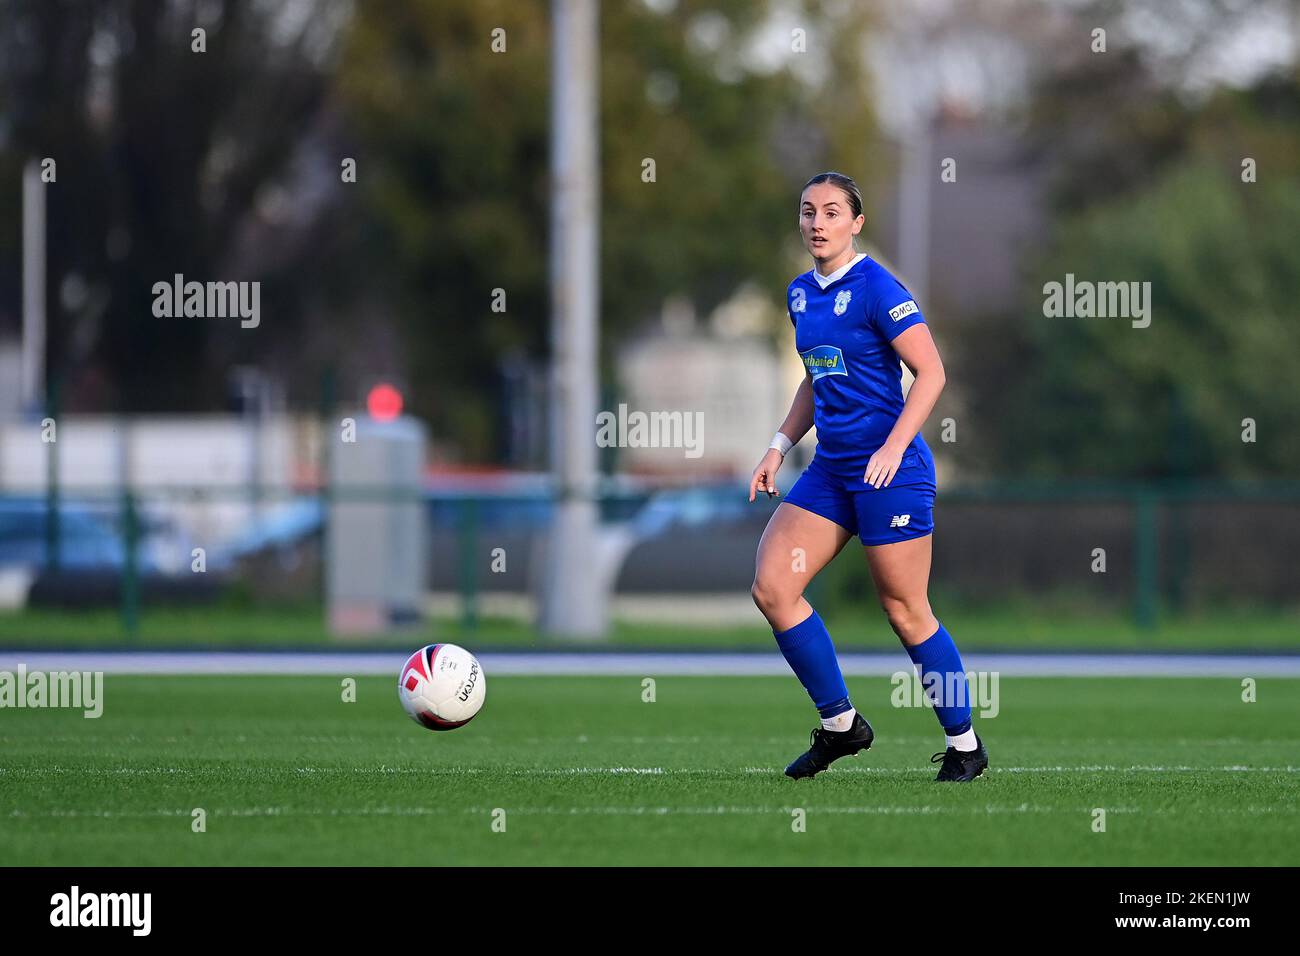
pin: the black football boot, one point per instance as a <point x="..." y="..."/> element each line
<point x="962" y="766"/>
<point x="828" y="745"/>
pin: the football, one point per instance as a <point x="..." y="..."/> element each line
<point x="442" y="686"/>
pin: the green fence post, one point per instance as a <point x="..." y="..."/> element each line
<point x="130" y="572"/>
<point x="53" y="533"/>
<point x="325" y="480"/>
<point x="1146" y="546"/>
<point x="1178" y="563"/>
<point x="469" y="564"/>
<point x="325" y="500"/>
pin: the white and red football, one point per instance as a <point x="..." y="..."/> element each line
<point x="442" y="686"/>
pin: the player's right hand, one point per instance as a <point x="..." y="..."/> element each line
<point x="764" y="478"/>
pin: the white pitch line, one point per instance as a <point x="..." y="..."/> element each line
<point x="650" y="664"/>
<point x="95" y="738"/>
<point x="38" y="772"/>
<point x="812" y="810"/>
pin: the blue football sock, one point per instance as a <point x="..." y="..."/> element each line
<point x="811" y="655"/>
<point x="944" y="680"/>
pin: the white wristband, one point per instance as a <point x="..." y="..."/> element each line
<point x="781" y="443"/>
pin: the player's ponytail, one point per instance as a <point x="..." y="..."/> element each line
<point x="844" y="183"/>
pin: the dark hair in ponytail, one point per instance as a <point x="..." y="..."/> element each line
<point x="844" y="184"/>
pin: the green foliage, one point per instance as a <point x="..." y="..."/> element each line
<point x="1098" y="397"/>
<point x="454" y="140"/>
<point x="166" y="159"/>
<point x="225" y="165"/>
<point x="1148" y="187"/>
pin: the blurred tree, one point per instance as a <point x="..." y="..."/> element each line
<point x="168" y="161"/>
<point x="224" y="165"/>
<point x="1146" y="151"/>
<point x="1096" y="397"/>
<point x="454" y="142"/>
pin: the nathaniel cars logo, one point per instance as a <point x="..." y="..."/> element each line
<point x="903" y="311"/>
<point x="824" y="360"/>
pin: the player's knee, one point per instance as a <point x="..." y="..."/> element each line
<point x="769" y="595"/>
<point x="907" y="618"/>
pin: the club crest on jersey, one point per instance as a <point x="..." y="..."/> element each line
<point x="823" y="360"/>
<point x="842" y="300"/>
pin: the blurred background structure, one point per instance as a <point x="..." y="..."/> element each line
<point x="383" y="173"/>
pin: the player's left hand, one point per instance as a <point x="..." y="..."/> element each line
<point x="883" y="466"/>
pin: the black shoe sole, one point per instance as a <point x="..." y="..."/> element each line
<point x="851" y="753"/>
<point x="978" y="773"/>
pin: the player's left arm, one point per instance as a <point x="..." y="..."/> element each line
<point x="916" y="348"/>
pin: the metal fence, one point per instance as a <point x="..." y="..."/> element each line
<point x="1145" y="547"/>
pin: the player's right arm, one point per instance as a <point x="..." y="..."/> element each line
<point x="796" y="425"/>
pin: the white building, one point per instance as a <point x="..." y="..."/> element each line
<point x="724" y="375"/>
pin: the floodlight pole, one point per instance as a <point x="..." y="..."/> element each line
<point x="573" y="599"/>
<point x="33" y="347"/>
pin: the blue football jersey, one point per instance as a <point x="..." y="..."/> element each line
<point x="843" y="335"/>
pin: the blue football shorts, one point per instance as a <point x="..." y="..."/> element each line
<point x="898" y="511"/>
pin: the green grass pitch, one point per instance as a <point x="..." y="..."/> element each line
<point x="586" y="772"/>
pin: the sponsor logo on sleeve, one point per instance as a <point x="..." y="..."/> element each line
<point x="903" y="311"/>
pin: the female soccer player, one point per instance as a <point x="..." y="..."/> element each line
<point x="872" y="475"/>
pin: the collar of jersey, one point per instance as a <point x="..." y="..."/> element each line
<point x="825" y="282"/>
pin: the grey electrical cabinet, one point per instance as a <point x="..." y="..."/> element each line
<point x="376" y="528"/>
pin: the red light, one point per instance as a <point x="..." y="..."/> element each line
<point x="384" y="403"/>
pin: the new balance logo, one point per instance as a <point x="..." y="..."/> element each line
<point x="899" y="521"/>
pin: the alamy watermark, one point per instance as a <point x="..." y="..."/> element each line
<point x="651" y="430"/>
<point x="208" y="300"/>
<point x="976" y="689"/>
<point x="75" y="908"/>
<point x="1085" y="299"/>
<point x="77" y="690"/>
